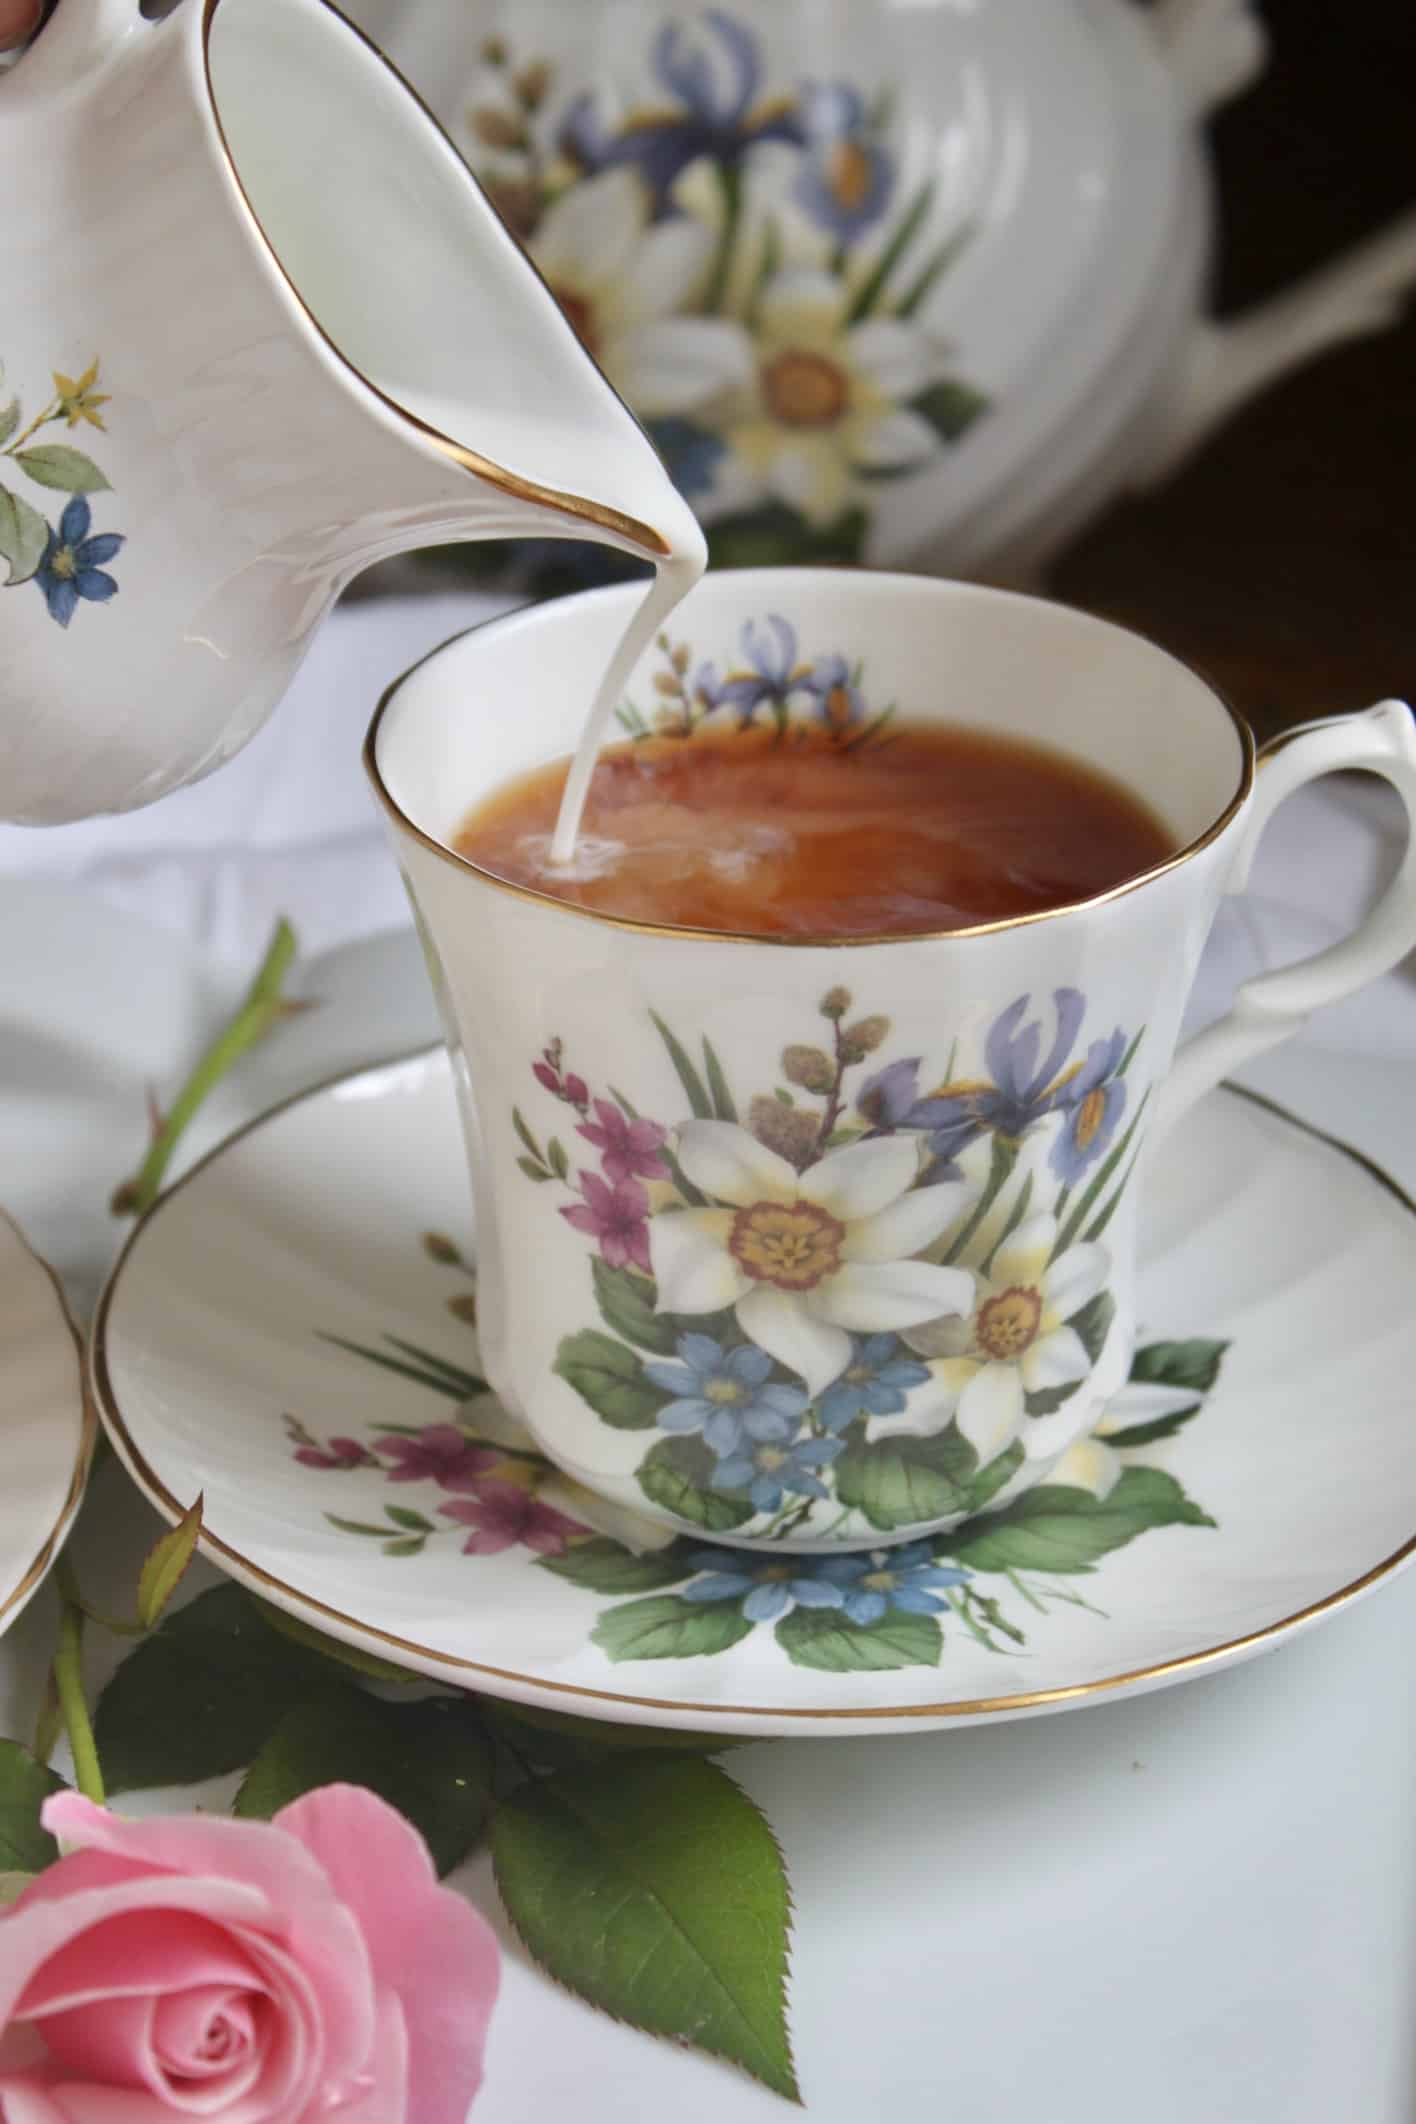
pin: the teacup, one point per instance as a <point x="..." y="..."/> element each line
<point x="832" y="1242"/>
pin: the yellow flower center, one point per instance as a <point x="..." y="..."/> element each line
<point x="859" y="1374"/>
<point x="878" y="1581"/>
<point x="805" y="390"/>
<point x="790" y="1244"/>
<point x="1007" y="1325"/>
<point x="848" y="175"/>
<point x="1090" y="1115"/>
<point x="836" y="706"/>
<point x="63" y="564"/>
<point x="777" y="1574"/>
<point x="725" y="1391"/>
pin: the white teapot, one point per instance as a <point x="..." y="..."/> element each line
<point x="260" y="328"/>
<point x="912" y="283"/>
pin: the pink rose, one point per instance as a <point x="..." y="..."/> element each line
<point x="244" y="1972"/>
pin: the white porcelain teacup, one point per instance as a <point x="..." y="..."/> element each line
<point x="945" y="1130"/>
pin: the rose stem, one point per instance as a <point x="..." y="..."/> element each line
<point x="261" y="1008"/>
<point x="69" y="1681"/>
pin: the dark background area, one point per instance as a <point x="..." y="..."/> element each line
<point x="1283" y="560"/>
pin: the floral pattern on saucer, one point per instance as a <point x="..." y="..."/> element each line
<point x="856" y="1301"/>
<point x="992" y="1577"/>
<point x="745" y="264"/>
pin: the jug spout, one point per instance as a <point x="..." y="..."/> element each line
<point x="435" y="326"/>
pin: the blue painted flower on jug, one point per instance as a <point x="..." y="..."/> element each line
<point x="755" y="266"/>
<point x="67" y="561"/>
<point x="844" y="1312"/>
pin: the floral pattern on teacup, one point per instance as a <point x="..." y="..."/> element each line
<point x="480" y="1482"/>
<point x="771" y="684"/>
<point x="853" y="1302"/>
<point x="744" y="263"/>
<point x="67" y="561"/>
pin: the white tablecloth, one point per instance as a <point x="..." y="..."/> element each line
<point x="1190" y="1908"/>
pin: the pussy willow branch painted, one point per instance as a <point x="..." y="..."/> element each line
<point x="744" y="262"/>
<point x="67" y="561"/>
<point x="485" y="1488"/>
<point x="855" y="1301"/>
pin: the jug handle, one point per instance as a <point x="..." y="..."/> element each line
<point x="1214" y="48"/>
<point x="1223" y="366"/>
<point x="80" y="36"/>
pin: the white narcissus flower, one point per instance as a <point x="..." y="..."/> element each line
<point x="805" y="1259"/>
<point x="827" y="400"/>
<point x="1094" y="1463"/>
<point x="1015" y="1341"/>
<point x="620" y="280"/>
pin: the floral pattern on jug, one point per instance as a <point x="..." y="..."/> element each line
<point x="862" y="1298"/>
<point x="67" y="561"/>
<point x="482" y="1484"/>
<point x="741" y="262"/>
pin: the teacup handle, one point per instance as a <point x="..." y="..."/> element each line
<point x="1273" y="1005"/>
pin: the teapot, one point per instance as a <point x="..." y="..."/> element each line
<point x="262" y="329"/>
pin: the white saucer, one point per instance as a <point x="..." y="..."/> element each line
<point x="1286" y="1487"/>
<point x="47" y="1422"/>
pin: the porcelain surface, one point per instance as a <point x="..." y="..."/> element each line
<point x="292" y="1332"/>
<point x="48" y="1425"/>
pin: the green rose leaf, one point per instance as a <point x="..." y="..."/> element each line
<point x="676" y="1475"/>
<point x="431" y="1760"/>
<point x="902" y="1481"/>
<point x="1058" y="1528"/>
<point x="611" y="1378"/>
<point x="24" y="1787"/>
<point x="626" y="1302"/>
<point x="343" y="1655"/>
<point x="202" y="1694"/>
<point x="23" y="537"/>
<point x="605" y="1566"/>
<point x="57" y="465"/>
<point x="557" y="1740"/>
<point x="669" y="1627"/>
<point x="828" y="1640"/>
<point x="950" y="407"/>
<point x="604" y="1877"/>
<point x="1179" y="1364"/>
<point x="166" y="1565"/>
<point x="990" y="1480"/>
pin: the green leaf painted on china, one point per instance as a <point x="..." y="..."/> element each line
<point x="626" y="1302"/>
<point x="826" y="1639"/>
<point x="677" y="1475"/>
<point x="694" y="1089"/>
<point x="165" y="1565"/>
<point x="431" y="1760"/>
<point x="604" y="1566"/>
<point x="990" y="1480"/>
<point x="57" y="465"/>
<point x="25" y="1785"/>
<point x="1179" y="1364"/>
<point x="902" y="1481"/>
<point x="774" y="533"/>
<point x="557" y="1739"/>
<point x="1056" y="1527"/>
<point x="668" y="1627"/>
<point x="724" y="1105"/>
<point x="950" y="407"/>
<point x="611" y="1378"/>
<point x="203" y="1694"/>
<point x="9" y="418"/>
<point x="654" y="1888"/>
<point x="23" y="537"/>
<point x="1140" y="1434"/>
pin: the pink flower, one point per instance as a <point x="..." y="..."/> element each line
<point x="309" y="1968"/>
<point x="577" y="1091"/>
<point x="545" y="1075"/>
<point x="627" y="1147"/>
<point x="335" y="1453"/>
<point x="438" y="1454"/>
<point x="503" y="1514"/>
<point x="617" y="1216"/>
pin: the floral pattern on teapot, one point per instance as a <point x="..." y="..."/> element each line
<point x="861" y="1300"/>
<point x="744" y="266"/>
<point x="67" y="561"/>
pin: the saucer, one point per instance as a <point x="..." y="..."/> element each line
<point x="291" y="1332"/>
<point x="49" y="1425"/>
